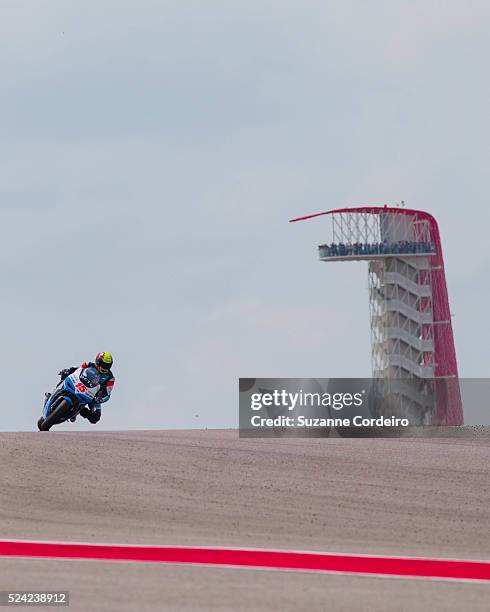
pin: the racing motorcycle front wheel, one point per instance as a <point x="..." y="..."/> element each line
<point x="58" y="415"/>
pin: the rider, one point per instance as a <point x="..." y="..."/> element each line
<point x="103" y="362"/>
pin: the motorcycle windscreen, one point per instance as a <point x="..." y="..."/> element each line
<point x="90" y="377"/>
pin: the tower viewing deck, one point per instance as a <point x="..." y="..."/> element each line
<point x="412" y="344"/>
<point x="367" y="251"/>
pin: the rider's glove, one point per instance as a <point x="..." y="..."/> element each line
<point x="64" y="373"/>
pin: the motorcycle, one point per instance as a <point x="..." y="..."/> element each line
<point x="69" y="397"/>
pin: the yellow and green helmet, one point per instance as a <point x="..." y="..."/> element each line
<point x="104" y="362"/>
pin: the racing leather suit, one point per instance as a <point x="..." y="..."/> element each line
<point x="92" y="412"/>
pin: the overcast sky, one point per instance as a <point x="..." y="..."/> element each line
<point x="152" y="153"/>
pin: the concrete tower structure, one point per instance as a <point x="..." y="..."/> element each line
<point x="412" y="346"/>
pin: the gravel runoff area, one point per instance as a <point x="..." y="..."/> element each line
<point x="420" y="497"/>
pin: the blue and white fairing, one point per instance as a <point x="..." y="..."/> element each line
<point x="78" y="389"/>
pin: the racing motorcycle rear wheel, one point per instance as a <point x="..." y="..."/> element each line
<point x="58" y="415"/>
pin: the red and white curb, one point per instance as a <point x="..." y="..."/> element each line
<point x="367" y="565"/>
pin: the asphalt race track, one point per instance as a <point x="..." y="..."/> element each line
<point x="422" y="498"/>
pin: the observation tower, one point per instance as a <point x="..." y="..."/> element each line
<point x="412" y="345"/>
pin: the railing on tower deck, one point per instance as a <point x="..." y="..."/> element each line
<point x="368" y="250"/>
